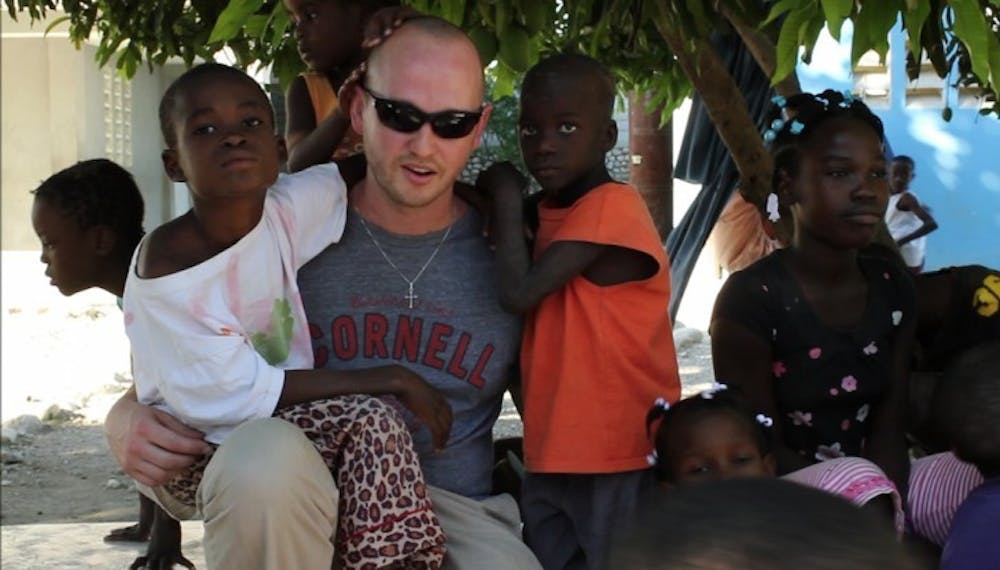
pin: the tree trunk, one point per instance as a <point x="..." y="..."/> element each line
<point x="651" y="160"/>
<point x="723" y="103"/>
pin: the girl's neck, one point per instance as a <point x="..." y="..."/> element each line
<point x="820" y="261"/>
<point x="222" y="223"/>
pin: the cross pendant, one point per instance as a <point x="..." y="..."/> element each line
<point x="410" y="296"/>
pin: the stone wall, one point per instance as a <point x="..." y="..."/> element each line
<point x="617" y="161"/>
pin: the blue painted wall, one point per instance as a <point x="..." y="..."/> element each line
<point x="958" y="162"/>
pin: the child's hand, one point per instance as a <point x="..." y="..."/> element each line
<point x="381" y="24"/>
<point x="503" y="183"/>
<point x="426" y="402"/>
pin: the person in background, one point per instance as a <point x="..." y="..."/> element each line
<point x="908" y="221"/>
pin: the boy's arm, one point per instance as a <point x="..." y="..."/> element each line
<point x="309" y="143"/>
<point x="909" y="203"/>
<point x="421" y="398"/>
<point x="523" y="285"/>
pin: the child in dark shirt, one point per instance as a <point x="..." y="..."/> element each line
<point x="818" y="335"/>
<point x="88" y="218"/>
<point x="968" y="409"/>
<point x="597" y="346"/>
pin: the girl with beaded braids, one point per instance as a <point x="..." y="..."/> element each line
<point x="716" y="435"/>
<point x="819" y="335"/>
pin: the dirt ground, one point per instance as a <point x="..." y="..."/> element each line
<point x="66" y="360"/>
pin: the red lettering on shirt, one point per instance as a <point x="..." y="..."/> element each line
<point x="321" y="354"/>
<point x="345" y="337"/>
<point x="376" y="327"/>
<point x="407" y="338"/>
<point x="435" y="344"/>
<point x="476" y="378"/>
<point x="441" y="347"/>
<point x="455" y="366"/>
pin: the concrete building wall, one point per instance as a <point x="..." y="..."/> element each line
<point x="53" y="114"/>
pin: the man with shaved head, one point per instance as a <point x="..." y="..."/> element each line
<point x="412" y="280"/>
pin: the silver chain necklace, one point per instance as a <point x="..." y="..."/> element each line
<point x="410" y="295"/>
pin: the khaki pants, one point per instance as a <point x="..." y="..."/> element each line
<point x="270" y="503"/>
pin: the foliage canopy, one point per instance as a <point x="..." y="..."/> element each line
<point x="658" y="46"/>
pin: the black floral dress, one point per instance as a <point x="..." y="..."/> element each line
<point x="827" y="381"/>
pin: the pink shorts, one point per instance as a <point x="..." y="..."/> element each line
<point x="938" y="485"/>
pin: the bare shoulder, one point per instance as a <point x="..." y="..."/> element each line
<point x="907" y="201"/>
<point x="168" y="249"/>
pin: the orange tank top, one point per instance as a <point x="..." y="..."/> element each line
<point x="324" y="102"/>
<point x="595" y="358"/>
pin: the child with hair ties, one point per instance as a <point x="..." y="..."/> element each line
<point x="968" y="410"/>
<point x="597" y="346"/>
<point x="818" y="335"/>
<point x="715" y="435"/>
<point x="219" y="335"/>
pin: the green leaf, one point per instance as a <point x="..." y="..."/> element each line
<point x="232" y="19"/>
<point x="810" y="33"/>
<point x="505" y="79"/>
<point x="453" y="11"/>
<point x="871" y="28"/>
<point x="256" y="25"/>
<point x="779" y="8"/>
<point x="913" y="22"/>
<point x="971" y="29"/>
<point x="787" y="47"/>
<point x="836" y="11"/>
<point x="55" y="23"/>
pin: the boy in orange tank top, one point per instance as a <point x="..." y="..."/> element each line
<point x="598" y="346"/>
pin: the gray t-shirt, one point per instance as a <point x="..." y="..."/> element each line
<point x="456" y="336"/>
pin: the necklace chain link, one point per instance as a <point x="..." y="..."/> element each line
<point x="410" y="296"/>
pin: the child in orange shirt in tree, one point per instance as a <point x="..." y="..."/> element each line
<point x="332" y="39"/>
<point x="598" y="344"/>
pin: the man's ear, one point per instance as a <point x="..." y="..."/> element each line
<point x="171" y="166"/>
<point x="610" y="135"/>
<point x="356" y="110"/>
<point x="105" y="240"/>
<point x="477" y="133"/>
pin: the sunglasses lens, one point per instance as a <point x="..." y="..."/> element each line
<point x="454" y="125"/>
<point x="406" y="118"/>
<point x="398" y="117"/>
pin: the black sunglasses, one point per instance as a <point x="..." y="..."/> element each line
<point x="406" y="118"/>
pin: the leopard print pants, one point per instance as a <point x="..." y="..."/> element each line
<point x="385" y="519"/>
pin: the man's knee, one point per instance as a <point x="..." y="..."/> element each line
<point x="264" y="463"/>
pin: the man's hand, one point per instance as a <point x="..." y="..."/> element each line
<point x="151" y="445"/>
<point x="426" y="402"/>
